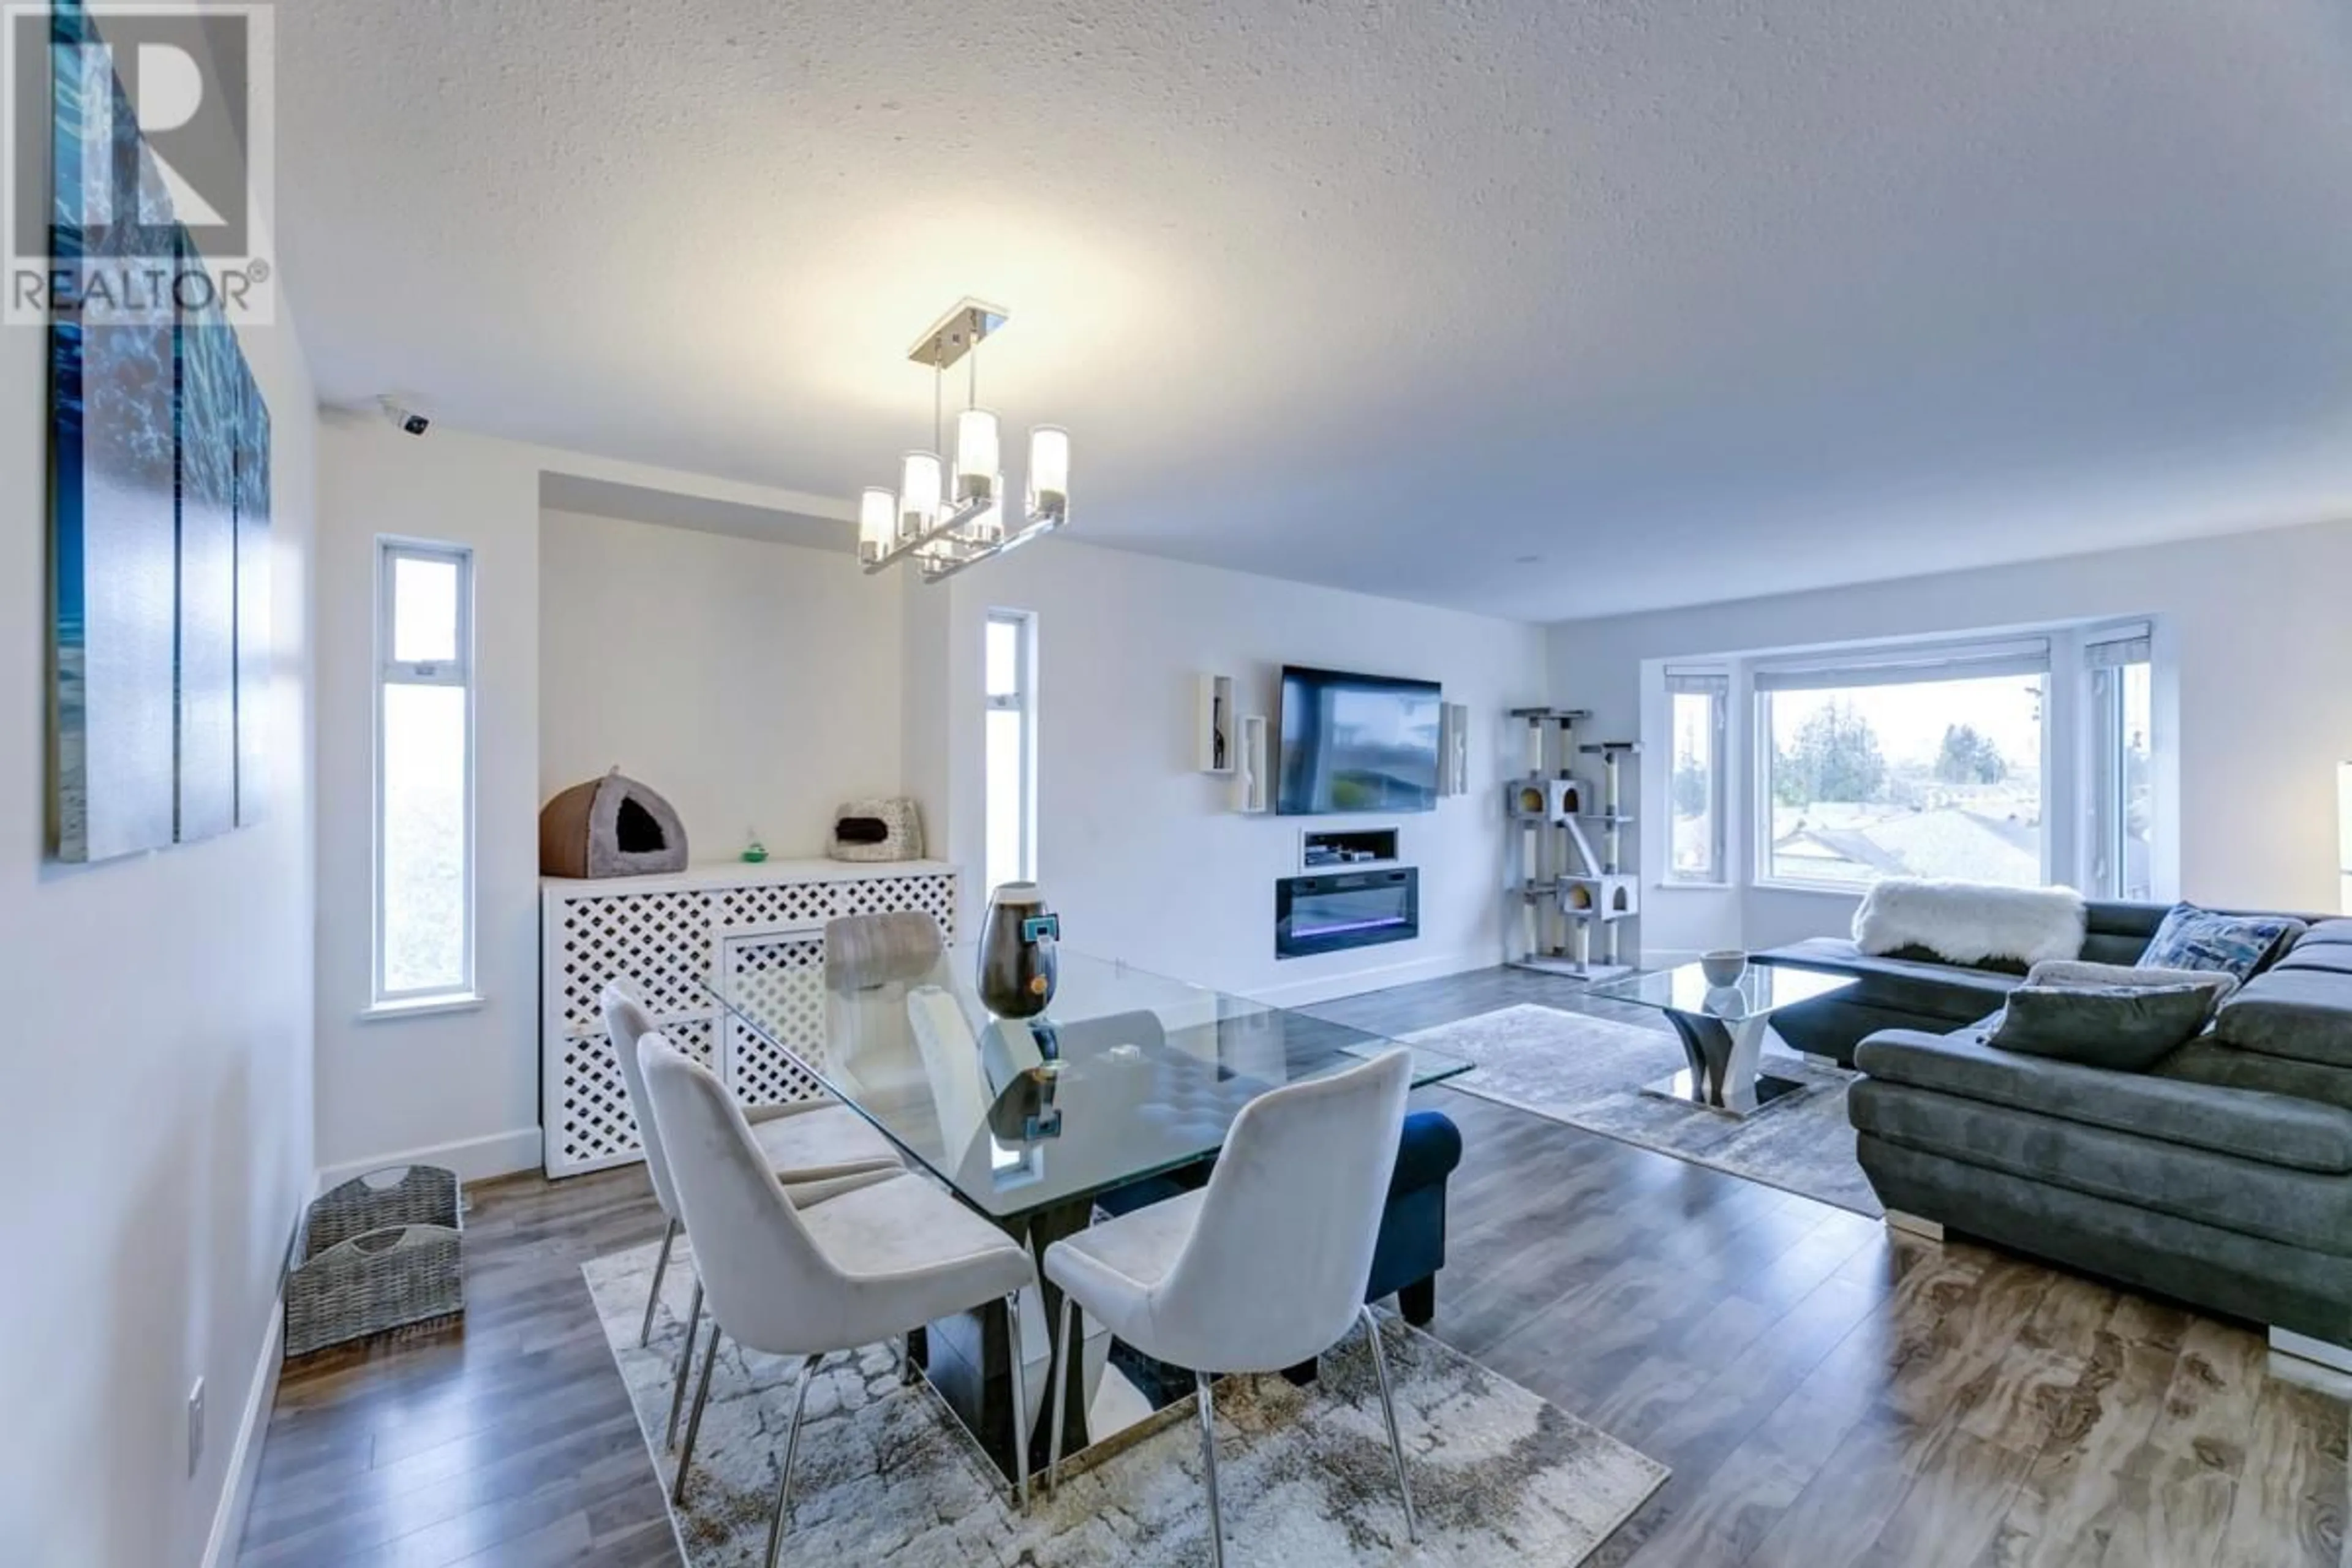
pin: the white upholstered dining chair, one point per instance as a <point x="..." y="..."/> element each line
<point x="862" y="1267"/>
<point x="1264" y="1267"/>
<point x="816" y="1148"/>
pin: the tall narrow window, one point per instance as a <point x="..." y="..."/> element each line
<point x="1011" y="658"/>
<point x="2122" y="804"/>
<point x="1700" y="701"/>
<point x="423" y="774"/>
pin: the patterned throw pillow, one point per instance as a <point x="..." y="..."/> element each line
<point x="2238" y="945"/>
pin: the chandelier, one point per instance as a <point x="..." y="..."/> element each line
<point x="947" y="529"/>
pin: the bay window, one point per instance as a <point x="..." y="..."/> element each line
<point x="2118" y="862"/>
<point x="1908" y="762"/>
<point x="1699" y="702"/>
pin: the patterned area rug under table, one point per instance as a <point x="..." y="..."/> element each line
<point x="886" y="1475"/>
<point x="1588" y="1072"/>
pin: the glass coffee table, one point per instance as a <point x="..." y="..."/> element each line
<point x="1723" y="1029"/>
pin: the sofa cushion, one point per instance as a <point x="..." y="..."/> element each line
<point x="2078" y="972"/>
<point x="1935" y="990"/>
<point x="2327" y="933"/>
<point x="2117" y="932"/>
<point x="2127" y="1028"/>
<point x="2302" y="1014"/>
<point x="2206" y="1060"/>
<point x="2268" y="1127"/>
<point x="2332" y="960"/>
<point x="2299" y="1208"/>
<point x="2194" y="938"/>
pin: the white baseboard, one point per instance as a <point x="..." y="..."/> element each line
<point x="474" y="1159"/>
<point x="1376" y="978"/>
<point x="244" y="1460"/>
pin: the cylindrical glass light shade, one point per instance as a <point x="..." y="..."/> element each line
<point x="918" y="494"/>
<point x="1049" y="472"/>
<point x="979" y="471"/>
<point x="877" y="522"/>
<point x="988" y="527"/>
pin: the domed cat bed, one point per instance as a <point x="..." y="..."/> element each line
<point x="611" y="827"/>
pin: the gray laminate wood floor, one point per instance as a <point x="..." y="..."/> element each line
<point x="1827" y="1393"/>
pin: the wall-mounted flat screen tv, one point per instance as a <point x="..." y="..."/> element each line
<point x="1357" y="742"/>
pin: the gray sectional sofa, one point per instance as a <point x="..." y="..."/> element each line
<point x="2223" y="1177"/>
<point x="1920" y="991"/>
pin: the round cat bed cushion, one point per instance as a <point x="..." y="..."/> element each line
<point x="611" y="827"/>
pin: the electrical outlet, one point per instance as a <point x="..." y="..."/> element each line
<point x="196" y="1424"/>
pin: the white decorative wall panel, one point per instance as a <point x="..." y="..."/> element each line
<point x="760" y="931"/>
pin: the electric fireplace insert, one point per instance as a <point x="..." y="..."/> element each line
<point x="1344" y="909"/>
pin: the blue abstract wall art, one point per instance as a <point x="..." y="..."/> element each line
<point x="160" y="509"/>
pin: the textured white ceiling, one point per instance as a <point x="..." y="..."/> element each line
<point x="1688" y="299"/>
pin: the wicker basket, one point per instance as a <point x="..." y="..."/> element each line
<point x="896" y="819"/>
<point x="381" y="1251"/>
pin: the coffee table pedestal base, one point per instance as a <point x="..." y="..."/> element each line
<point x="1726" y="1059"/>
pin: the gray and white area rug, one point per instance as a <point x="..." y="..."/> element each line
<point x="886" y="1475"/>
<point x="1589" y="1071"/>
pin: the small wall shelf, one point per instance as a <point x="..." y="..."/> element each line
<point x="1215" y="737"/>
<point x="1253" y="781"/>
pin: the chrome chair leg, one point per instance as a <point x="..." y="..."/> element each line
<point x="1200" y="1382"/>
<point x="1063" y="1355"/>
<point x="694" y="1422"/>
<point x="1020" y="1400"/>
<point x="792" y="1454"/>
<point x="684" y="1366"/>
<point x="653" y="1297"/>
<point x="1388" y="1408"/>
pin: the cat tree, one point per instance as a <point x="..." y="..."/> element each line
<point x="1563" y="888"/>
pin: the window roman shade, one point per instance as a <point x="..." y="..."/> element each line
<point x="1698" y="682"/>
<point x="2111" y="648"/>
<point x="1905" y="666"/>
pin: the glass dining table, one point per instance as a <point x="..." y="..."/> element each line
<point x="1125" y="1087"/>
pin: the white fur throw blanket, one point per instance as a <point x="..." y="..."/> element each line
<point x="1969" y="922"/>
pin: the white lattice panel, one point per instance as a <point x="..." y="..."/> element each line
<point x="661" y="936"/>
<point x="780" y="980"/>
<point x="658" y="944"/>
<point x="595" y="1128"/>
<point x="781" y="904"/>
<point x="933" y="894"/>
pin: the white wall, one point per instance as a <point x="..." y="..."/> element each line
<point x="2253" y="703"/>
<point x="464" y="1085"/>
<point x="159" y="1145"/>
<point x="753" y="684"/>
<point x="1142" y="854"/>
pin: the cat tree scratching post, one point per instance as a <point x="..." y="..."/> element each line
<point x="1561" y="887"/>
